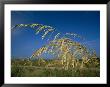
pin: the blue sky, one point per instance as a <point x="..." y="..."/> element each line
<point x="24" y="41"/>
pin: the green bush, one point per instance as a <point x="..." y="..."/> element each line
<point x="17" y="71"/>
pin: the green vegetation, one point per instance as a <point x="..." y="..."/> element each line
<point x="51" y="68"/>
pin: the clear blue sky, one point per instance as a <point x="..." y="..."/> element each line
<point x="24" y="41"/>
